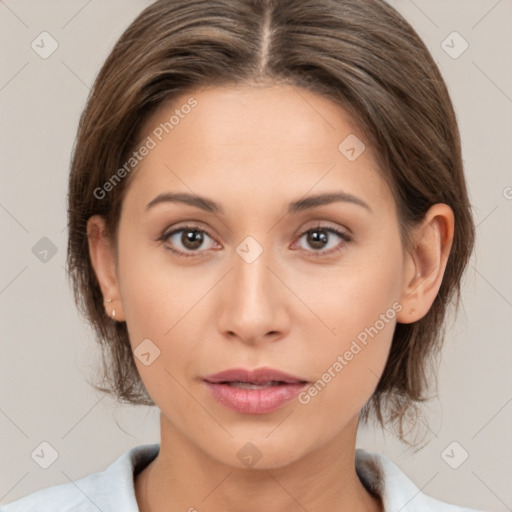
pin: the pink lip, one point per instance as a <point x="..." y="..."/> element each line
<point x="254" y="401"/>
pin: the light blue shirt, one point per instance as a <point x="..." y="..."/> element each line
<point x="112" y="490"/>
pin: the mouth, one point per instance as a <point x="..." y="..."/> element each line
<point x="252" y="385"/>
<point x="259" y="391"/>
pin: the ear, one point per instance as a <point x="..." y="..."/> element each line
<point x="425" y="263"/>
<point x="103" y="259"/>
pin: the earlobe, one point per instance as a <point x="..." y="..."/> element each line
<point x="103" y="261"/>
<point x="426" y="263"/>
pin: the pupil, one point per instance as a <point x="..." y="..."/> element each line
<point x="192" y="239"/>
<point x="317" y="239"/>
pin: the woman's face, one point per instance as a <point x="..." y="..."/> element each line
<point x="267" y="277"/>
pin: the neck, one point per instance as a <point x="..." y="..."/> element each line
<point x="182" y="477"/>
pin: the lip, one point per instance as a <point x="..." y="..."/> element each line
<point x="254" y="401"/>
<point x="256" y="376"/>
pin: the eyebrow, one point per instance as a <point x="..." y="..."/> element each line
<point x="295" y="207"/>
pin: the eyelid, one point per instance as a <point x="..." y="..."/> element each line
<point x="325" y="225"/>
<point x="191" y="227"/>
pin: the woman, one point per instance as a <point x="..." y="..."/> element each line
<point x="268" y="218"/>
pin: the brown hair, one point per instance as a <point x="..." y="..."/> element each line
<point x="362" y="55"/>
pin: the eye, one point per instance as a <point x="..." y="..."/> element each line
<point x="322" y="241"/>
<point x="187" y="240"/>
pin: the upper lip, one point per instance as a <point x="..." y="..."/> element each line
<point x="256" y="376"/>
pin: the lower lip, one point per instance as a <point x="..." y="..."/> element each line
<point x="254" y="401"/>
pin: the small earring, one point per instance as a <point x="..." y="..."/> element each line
<point x="108" y="301"/>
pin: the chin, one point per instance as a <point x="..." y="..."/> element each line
<point x="253" y="452"/>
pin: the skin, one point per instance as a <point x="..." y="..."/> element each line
<point x="295" y="308"/>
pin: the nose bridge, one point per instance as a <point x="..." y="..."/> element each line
<point x="252" y="305"/>
<point x="251" y="275"/>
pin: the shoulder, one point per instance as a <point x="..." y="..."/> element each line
<point x="382" y="477"/>
<point x="108" y="490"/>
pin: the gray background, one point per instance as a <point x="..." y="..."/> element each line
<point x="48" y="353"/>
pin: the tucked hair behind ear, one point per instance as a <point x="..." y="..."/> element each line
<point x="362" y="55"/>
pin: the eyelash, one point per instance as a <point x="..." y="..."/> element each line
<point x="343" y="235"/>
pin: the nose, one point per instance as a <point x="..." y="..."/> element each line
<point x="253" y="301"/>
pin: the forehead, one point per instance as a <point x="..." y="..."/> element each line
<point x="245" y="141"/>
<point x="274" y="115"/>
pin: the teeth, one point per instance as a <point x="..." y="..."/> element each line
<point x="251" y="385"/>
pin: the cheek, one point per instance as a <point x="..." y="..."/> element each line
<point x="156" y="296"/>
<point x="350" y="364"/>
<point x="166" y="304"/>
<point x="157" y="301"/>
<point x="359" y="304"/>
<point x="145" y="283"/>
<point x="351" y="296"/>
